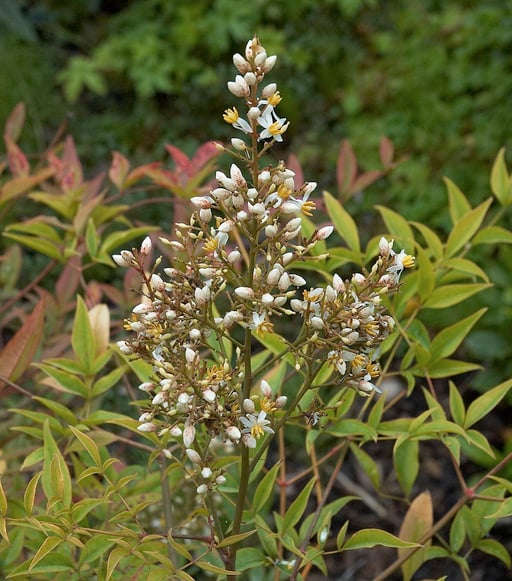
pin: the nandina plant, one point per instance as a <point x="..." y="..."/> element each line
<point x="259" y="386"/>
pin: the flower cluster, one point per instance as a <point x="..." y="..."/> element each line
<point x="233" y="277"/>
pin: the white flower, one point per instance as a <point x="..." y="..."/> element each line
<point x="401" y="261"/>
<point x="145" y="247"/>
<point x="274" y="126"/>
<point x="256" y="426"/>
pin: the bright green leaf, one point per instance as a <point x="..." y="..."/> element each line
<point x="448" y="340"/>
<point x="82" y="338"/>
<point x="343" y="222"/>
<point x="457" y="408"/>
<point x="296" y="510"/>
<point x="501" y="185"/>
<point x="452" y="294"/>
<point x="406" y="462"/>
<point x="369" y="538"/>
<point x="465" y="228"/>
<point x="486" y="402"/>
<point x="265" y="488"/>
<point x="457" y="201"/>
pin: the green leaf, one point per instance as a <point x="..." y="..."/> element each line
<point x="58" y="409"/>
<point x="504" y="511"/>
<point x="48" y="545"/>
<point x="432" y="240"/>
<point x="406" y="462"/>
<point x="117" y="240"/>
<point x="457" y="408"/>
<point x="466" y="266"/>
<point x="351" y="427"/>
<point x="448" y="340"/>
<point x="493" y="235"/>
<point x="265" y="488"/>
<point x="107" y="381"/>
<point x="457" y="201"/>
<point x="82" y="337"/>
<point x="92" y="240"/>
<point x="369" y="538"/>
<point x="56" y="479"/>
<point x="495" y="549"/>
<point x="296" y="510"/>
<point x="39" y="245"/>
<point x="458" y="531"/>
<point x="30" y="493"/>
<point x="466" y="227"/>
<point x="396" y="224"/>
<point x="3" y="501"/>
<point x="450" y="367"/>
<point x="343" y="222"/>
<point x="66" y="381"/>
<point x="234" y="539"/>
<point x="486" y="402"/>
<point x="214" y="568"/>
<point x="426" y="274"/>
<point x="249" y="558"/>
<point x="368" y="465"/>
<point x="501" y="185"/>
<point x="89" y="444"/>
<point x="452" y="294"/>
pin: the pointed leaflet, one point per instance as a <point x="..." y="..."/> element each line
<point x="298" y="506"/>
<point x="19" y="352"/>
<point x="82" y="338"/>
<point x="466" y="227"/>
<point x="501" y="183"/>
<point x="343" y="222"/>
<point x="368" y="538"/>
<point x="15" y="122"/>
<point x="119" y="169"/>
<point x="346" y="167"/>
<point x="457" y="201"/>
<point x="417" y="522"/>
<point x="486" y="402"/>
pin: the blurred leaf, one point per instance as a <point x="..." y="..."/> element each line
<point x="16" y="119"/>
<point x="396" y="224"/>
<point x="493" y="235"/>
<point x="99" y="319"/>
<point x="296" y="509"/>
<point x="346" y="168"/>
<point x="457" y="408"/>
<point x="56" y="479"/>
<point x="249" y="558"/>
<point x="457" y="531"/>
<point x="82" y="338"/>
<point x="457" y="201"/>
<point x="452" y="294"/>
<point x="432" y="240"/>
<point x="501" y="183"/>
<point x="495" y="549"/>
<point x="343" y="222"/>
<point x="464" y="229"/>
<point x="234" y="539"/>
<point x="368" y="465"/>
<point x="19" y="352"/>
<point x="417" y="522"/>
<point x="265" y="489"/>
<point x="119" y="169"/>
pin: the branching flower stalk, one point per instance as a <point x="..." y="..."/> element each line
<point x="234" y="275"/>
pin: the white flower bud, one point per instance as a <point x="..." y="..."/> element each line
<point x="358" y="279"/>
<point x="260" y="58"/>
<point x="145" y="417"/>
<point x="324" y="232"/>
<point x="167" y="454"/>
<point x="317" y="323"/>
<point x="248" y="406"/>
<point x="269" y="90"/>
<point x="156" y="282"/>
<point x="124" y="347"/>
<point x="244" y="292"/>
<point x="281" y="401"/>
<point x="205" y="214"/>
<point x="338" y="283"/>
<point x="220" y="479"/>
<point x="159" y="398"/>
<point x="265" y="388"/>
<point x="189" y="434"/>
<point x="147" y="427"/>
<point x="287" y="258"/>
<point x="284" y="282"/>
<point x="175" y="432"/>
<point x="297" y="280"/>
<point x="202" y="295"/>
<point x="269" y="64"/>
<point x="234" y="256"/>
<point x="297" y="305"/>
<point x="183" y="398"/>
<point x="194" y="334"/>
<point x="142" y="308"/>
<point x="233" y="433"/>
<point x="249" y="441"/>
<point x="264" y="176"/>
<point x="206" y="472"/>
<point x="209" y="395"/>
<point x="253" y="113"/>
<point x="193" y="456"/>
<point x="385" y="247"/>
<point x="240" y="63"/>
<point x="120" y="260"/>
<point x="270" y="230"/>
<point x="190" y="355"/>
<point x="238" y="144"/>
<point x="250" y="78"/>
<point x="202" y="489"/>
<point x="267" y="299"/>
<point x="146" y="386"/>
<point x="145" y="247"/>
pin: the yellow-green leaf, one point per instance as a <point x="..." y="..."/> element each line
<point x="465" y="228"/>
<point x="82" y="338"/>
<point x="448" y="340"/>
<point x="452" y="294"/>
<point x="343" y="222"/>
<point x="48" y="545"/>
<point x="486" y="402"/>
<point x="369" y="538"/>
<point x="500" y="180"/>
<point x="457" y="201"/>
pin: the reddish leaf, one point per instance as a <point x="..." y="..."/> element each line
<point x="73" y="176"/>
<point x="15" y="122"/>
<point x="346" y="167"/>
<point x="18" y="163"/>
<point x="387" y="151"/>
<point x="140" y="172"/>
<point x="364" y="180"/>
<point x="204" y="154"/>
<point x="18" y="186"/>
<point x="119" y="169"/>
<point x="181" y="161"/>
<point x="19" y="352"/>
<point x="67" y="284"/>
<point x="293" y="163"/>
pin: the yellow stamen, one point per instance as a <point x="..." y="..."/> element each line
<point x="231" y="115"/>
<point x="308" y="208"/>
<point x="275" y="99"/>
<point x="408" y="261"/>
